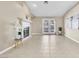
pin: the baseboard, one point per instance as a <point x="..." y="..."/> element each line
<point x="27" y="38"/>
<point x="36" y="33"/>
<point x="72" y="39"/>
<point x="11" y="47"/>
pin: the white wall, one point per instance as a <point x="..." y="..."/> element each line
<point x="37" y="24"/>
<point x="71" y="33"/>
<point x="9" y="11"/>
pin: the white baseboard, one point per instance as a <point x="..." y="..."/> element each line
<point x="9" y="48"/>
<point x="72" y="39"/>
<point x="36" y="33"/>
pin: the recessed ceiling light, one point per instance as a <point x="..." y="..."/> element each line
<point x="34" y="5"/>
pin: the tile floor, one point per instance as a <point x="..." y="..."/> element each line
<point x="45" y="46"/>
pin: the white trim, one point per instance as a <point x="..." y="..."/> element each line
<point x="27" y="38"/>
<point x="9" y="48"/>
<point x="36" y="33"/>
<point x="72" y="39"/>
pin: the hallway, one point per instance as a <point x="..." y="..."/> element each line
<point x="45" y="46"/>
<point x="47" y="29"/>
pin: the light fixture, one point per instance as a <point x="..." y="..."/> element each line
<point x="34" y="5"/>
<point x="45" y="2"/>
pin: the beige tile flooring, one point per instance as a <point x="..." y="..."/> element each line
<point x="45" y="46"/>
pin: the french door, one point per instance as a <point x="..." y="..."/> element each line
<point x="48" y="26"/>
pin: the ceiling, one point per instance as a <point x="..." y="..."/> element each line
<point x="53" y="8"/>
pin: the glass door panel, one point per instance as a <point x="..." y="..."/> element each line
<point x="48" y="26"/>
